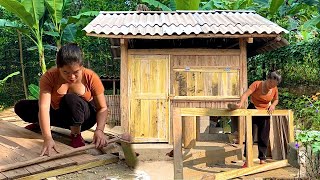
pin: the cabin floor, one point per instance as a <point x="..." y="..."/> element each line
<point x="154" y="163"/>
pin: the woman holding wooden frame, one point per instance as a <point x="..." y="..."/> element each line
<point x="263" y="96"/>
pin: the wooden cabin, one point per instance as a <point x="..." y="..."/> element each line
<point x="181" y="59"/>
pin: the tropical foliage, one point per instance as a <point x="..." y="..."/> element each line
<point x="32" y="15"/>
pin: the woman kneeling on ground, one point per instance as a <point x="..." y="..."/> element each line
<point x="263" y="96"/>
<point x="71" y="97"/>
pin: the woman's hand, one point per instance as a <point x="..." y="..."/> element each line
<point x="99" y="139"/>
<point x="48" y="145"/>
<point x="239" y="105"/>
<point x="271" y="109"/>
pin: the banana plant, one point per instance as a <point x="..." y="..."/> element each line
<point x="163" y="7"/>
<point x="34" y="91"/>
<point x="65" y="29"/>
<point x="226" y="5"/>
<point x="175" y="4"/>
<point x="32" y="14"/>
<point x="2" y="81"/>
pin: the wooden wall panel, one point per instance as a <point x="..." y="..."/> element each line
<point x="206" y="82"/>
<point x="204" y="104"/>
<point x="205" y="61"/>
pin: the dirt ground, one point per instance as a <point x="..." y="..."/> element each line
<point x="160" y="170"/>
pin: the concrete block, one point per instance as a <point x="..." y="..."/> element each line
<point x="153" y="152"/>
<point x="220" y="137"/>
<point x="204" y="124"/>
<point x="292" y="155"/>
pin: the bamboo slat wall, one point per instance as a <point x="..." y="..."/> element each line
<point x="205" y="77"/>
<point x="113" y="102"/>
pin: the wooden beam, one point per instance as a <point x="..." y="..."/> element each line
<point x="124" y="102"/>
<point x="226" y="112"/>
<point x="183" y="36"/>
<point x="177" y="147"/>
<point x="250" y="40"/>
<point x="204" y="68"/>
<point x="247" y="171"/>
<point x="206" y="98"/>
<point x="249" y="142"/>
<point x="243" y="83"/>
<point x="102" y="161"/>
<point x="291" y="126"/>
<point x="189" y="127"/>
<point x="181" y="52"/>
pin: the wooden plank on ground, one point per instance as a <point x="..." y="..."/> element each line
<point x="19" y="145"/>
<point x="83" y="158"/>
<point x="26" y="154"/>
<point x="2" y="176"/>
<point x="9" y="156"/>
<point x="102" y="160"/>
<point x="246" y="171"/>
<point x="58" y="163"/>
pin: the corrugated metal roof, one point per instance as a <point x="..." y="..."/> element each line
<point x="159" y="23"/>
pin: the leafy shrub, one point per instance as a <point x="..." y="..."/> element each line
<point x="34" y="91"/>
<point x="309" y="156"/>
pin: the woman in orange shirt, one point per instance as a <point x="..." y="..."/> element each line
<point x="71" y="97"/>
<point x="263" y="96"/>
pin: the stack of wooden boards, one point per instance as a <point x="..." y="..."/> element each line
<point x="279" y="137"/>
<point x="18" y="145"/>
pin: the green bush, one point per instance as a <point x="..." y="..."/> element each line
<point x="299" y="64"/>
<point x="306" y="109"/>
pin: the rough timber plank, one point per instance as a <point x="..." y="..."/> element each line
<point x="249" y="142"/>
<point x="177" y="143"/>
<point x="246" y="171"/>
<point x="2" y="176"/>
<point x="20" y="153"/>
<point x="18" y="144"/>
<point x="83" y="158"/>
<point x="12" y="154"/>
<point x="58" y="163"/>
<point x="103" y="159"/>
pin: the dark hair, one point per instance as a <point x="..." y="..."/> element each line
<point x="274" y="75"/>
<point x="69" y="54"/>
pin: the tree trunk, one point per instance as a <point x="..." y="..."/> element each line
<point x="58" y="44"/>
<point x="41" y="58"/>
<point x="22" y="67"/>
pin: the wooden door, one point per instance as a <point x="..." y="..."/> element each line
<point x="148" y="80"/>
